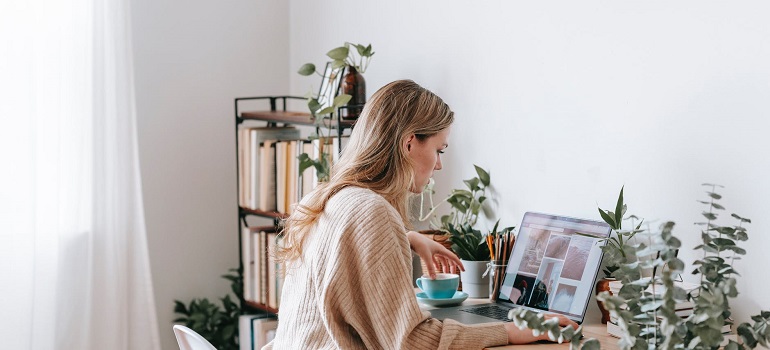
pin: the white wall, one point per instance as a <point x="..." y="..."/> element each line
<point x="567" y="101"/>
<point x="192" y="58"/>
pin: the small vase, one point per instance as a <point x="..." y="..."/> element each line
<point x="473" y="283"/>
<point x="603" y="285"/>
<point x="353" y="84"/>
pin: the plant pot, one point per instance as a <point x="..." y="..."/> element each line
<point x="603" y="285"/>
<point x="473" y="283"/>
<point x="353" y="84"/>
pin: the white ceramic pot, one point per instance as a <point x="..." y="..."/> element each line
<point x="473" y="284"/>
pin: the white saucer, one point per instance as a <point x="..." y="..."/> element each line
<point x="458" y="298"/>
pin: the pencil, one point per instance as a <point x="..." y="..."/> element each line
<point x="489" y="245"/>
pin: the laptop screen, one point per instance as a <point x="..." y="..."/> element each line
<point x="554" y="264"/>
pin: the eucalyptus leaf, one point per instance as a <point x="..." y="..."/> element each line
<point x="740" y="218"/>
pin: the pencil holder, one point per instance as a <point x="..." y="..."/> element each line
<point x="496" y="273"/>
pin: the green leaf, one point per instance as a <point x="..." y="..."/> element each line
<point x="620" y="208"/>
<point x="304" y="162"/>
<point x="714" y="195"/>
<point x="607" y="218"/>
<point x="179" y="307"/>
<point x="360" y="48"/>
<point x="591" y="344"/>
<point x="338" y="64"/>
<point x="748" y="335"/>
<point x="306" y="69"/>
<point x="327" y="110"/>
<point x="709" y="216"/>
<point x="339" y="53"/>
<point x="342" y="100"/>
<point x="483" y="175"/>
<point x="473" y="184"/>
<point x="652" y="306"/>
<point x="313" y="105"/>
<point x="740" y="218"/>
<point x="228" y="331"/>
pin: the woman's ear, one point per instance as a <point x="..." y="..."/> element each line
<point x="408" y="142"/>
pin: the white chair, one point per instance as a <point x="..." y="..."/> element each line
<point x="188" y="339"/>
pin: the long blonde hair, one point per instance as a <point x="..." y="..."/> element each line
<point x="375" y="157"/>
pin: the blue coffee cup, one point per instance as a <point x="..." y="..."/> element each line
<point x="443" y="287"/>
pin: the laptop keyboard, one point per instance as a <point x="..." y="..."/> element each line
<point x="491" y="311"/>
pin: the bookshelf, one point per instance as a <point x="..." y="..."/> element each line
<point x="275" y="116"/>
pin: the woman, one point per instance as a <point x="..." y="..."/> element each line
<point x="346" y="246"/>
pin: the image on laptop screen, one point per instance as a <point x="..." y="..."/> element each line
<point x="554" y="264"/>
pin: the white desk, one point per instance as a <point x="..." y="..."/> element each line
<point x="590" y="330"/>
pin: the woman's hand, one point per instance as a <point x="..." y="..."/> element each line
<point x="524" y="336"/>
<point x="432" y="253"/>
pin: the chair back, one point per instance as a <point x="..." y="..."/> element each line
<point x="188" y="339"/>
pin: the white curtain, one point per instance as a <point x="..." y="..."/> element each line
<point x="74" y="266"/>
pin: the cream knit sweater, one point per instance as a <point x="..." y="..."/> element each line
<point x="353" y="289"/>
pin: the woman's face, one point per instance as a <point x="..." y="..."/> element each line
<point x="426" y="157"/>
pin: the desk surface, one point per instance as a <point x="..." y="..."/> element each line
<point x="590" y="330"/>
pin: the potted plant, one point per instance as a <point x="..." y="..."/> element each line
<point x="218" y="325"/>
<point x="467" y="242"/>
<point x="354" y="63"/>
<point x="353" y="92"/>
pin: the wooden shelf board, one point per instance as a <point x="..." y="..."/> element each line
<point x="260" y="306"/>
<point x="267" y="214"/>
<point x="289" y="117"/>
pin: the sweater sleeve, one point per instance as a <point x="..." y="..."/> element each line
<point x="370" y="298"/>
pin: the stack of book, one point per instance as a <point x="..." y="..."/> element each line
<point x="683" y="309"/>
<point x="249" y="159"/>
<point x="262" y="276"/>
<point x="268" y="164"/>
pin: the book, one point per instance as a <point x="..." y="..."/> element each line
<point x="263" y="267"/>
<point x="292" y="174"/>
<point x="242" y="167"/>
<point x="263" y="330"/>
<point x="272" y="276"/>
<point x="254" y="331"/>
<point x="254" y="253"/>
<point x="247" y="256"/>
<point x="280" y="176"/>
<point x="267" y="185"/>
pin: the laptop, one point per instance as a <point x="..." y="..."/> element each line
<point x="552" y="268"/>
